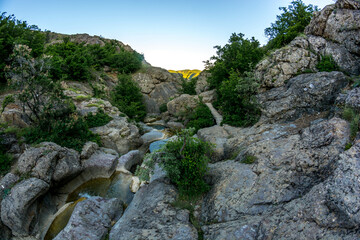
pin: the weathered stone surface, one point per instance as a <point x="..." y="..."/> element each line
<point x="343" y="190"/>
<point x="119" y="135"/>
<point x="100" y="164"/>
<point x="7" y="182"/>
<point x="14" y="116"/>
<point x="208" y="96"/>
<point x="157" y="86"/>
<point x="91" y="219"/>
<point x="181" y="104"/>
<point x="88" y="150"/>
<point x="150" y="216"/>
<point x="127" y="161"/>
<point x="285" y="168"/>
<point x="348" y="4"/>
<point x="50" y="162"/>
<point x="152" y="136"/>
<point x="285" y="63"/>
<point x="201" y="84"/>
<point x="19" y="208"/>
<point x="306" y="93"/>
<point x="319" y="21"/>
<point x="350" y="98"/>
<point x="218" y="136"/>
<point x="175" y="126"/>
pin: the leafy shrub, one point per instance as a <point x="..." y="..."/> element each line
<point x="5" y="160"/>
<point x="239" y="55"/>
<point x="7" y="100"/>
<point x="353" y="117"/>
<point x="289" y="24"/>
<point x="127" y="96"/>
<point x="67" y="131"/>
<point x="200" y="117"/>
<point x="249" y="159"/>
<point x="98" y="119"/>
<point x="185" y="162"/>
<point x="163" y="107"/>
<point x="327" y="64"/>
<point x="237" y="100"/>
<point x="15" y="31"/>
<point x="188" y="86"/>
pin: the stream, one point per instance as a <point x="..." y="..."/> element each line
<point x="117" y="186"/>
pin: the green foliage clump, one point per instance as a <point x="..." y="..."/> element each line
<point x="185" y="162"/>
<point x="5" y="160"/>
<point x="327" y="64"/>
<point x="237" y="100"/>
<point x="188" y="86"/>
<point x="36" y="91"/>
<point x="98" y="119"/>
<point x="249" y="159"/>
<point x="75" y="61"/>
<point x="239" y="55"/>
<point x="200" y="117"/>
<point x="234" y="84"/>
<point x="289" y="24"/>
<point x="127" y="96"/>
<point x="353" y="117"/>
<point x="7" y="100"/>
<point x="163" y="107"/>
<point x="68" y="131"/>
<point x="13" y="31"/>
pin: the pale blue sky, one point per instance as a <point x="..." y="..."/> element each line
<point x="171" y="34"/>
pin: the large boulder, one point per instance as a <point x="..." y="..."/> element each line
<point x="202" y="84"/>
<point x="127" y="161"/>
<point x="306" y="93"/>
<point x="151" y="216"/>
<point x="180" y="105"/>
<point x="91" y="219"/>
<point x="158" y="86"/>
<point x="285" y="63"/>
<point x="335" y="31"/>
<point x="119" y="135"/>
<point x="50" y="162"/>
<point x="19" y="209"/>
<point x="13" y="115"/>
<point x="284" y="169"/>
<point x="100" y="165"/>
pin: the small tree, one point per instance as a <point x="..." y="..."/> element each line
<point x="290" y="23"/>
<point x="38" y="94"/>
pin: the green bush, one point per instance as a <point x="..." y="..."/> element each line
<point x="185" y="162"/>
<point x="5" y="160"/>
<point x="13" y="31"/>
<point x="200" y="117"/>
<point x="239" y="55"/>
<point x="289" y="24"/>
<point x="237" y="100"/>
<point x="188" y="86"/>
<point x="68" y="131"/>
<point x="353" y="117"/>
<point x="98" y="119"/>
<point x="327" y="64"/>
<point x="163" y="107"/>
<point x="7" y="100"/>
<point x="127" y="96"/>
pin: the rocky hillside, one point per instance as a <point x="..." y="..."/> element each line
<point x="293" y="175"/>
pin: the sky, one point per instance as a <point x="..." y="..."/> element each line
<point x="171" y="34"/>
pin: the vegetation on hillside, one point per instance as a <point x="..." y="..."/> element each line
<point x="235" y="85"/>
<point x="289" y="24"/>
<point x="127" y="97"/>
